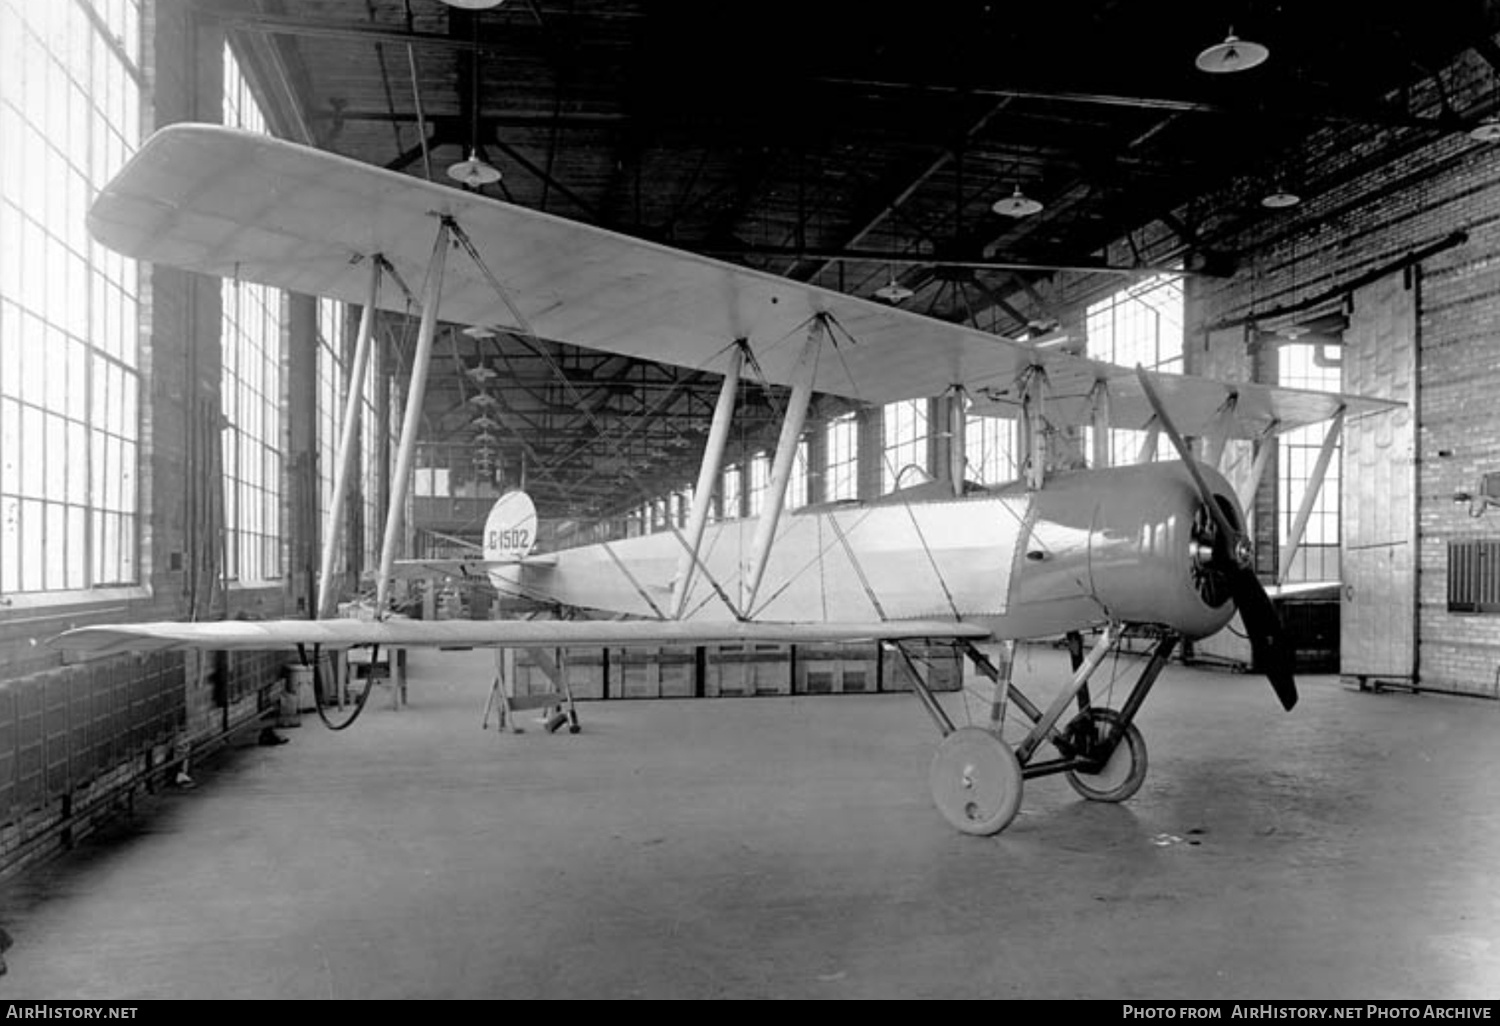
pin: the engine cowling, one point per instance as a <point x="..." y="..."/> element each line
<point x="1135" y="543"/>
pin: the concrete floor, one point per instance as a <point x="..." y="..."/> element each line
<point x="787" y="847"/>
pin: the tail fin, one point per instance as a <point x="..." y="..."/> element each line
<point x="510" y="529"/>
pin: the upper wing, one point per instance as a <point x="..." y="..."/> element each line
<point x="288" y="634"/>
<point x="1195" y="404"/>
<point x="240" y="205"/>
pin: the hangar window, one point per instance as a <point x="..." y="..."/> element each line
<point x="990" y="449"/>
<point x="760" y="476"/>
<point x="70" y="94"/>
<point x="1139" y="324"/>
<point x="796" y="487"/>
<point x="432" y="482"/>
<point x="1318" y="557"/>
<point x="905" y="443"/>
<point x="760" y="481"/>
<point x="250" y="390"/>
<point x="729" y="494"/>
<point x="841" y="469"/>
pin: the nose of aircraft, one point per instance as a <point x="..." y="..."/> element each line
<point x="1153" y="556"/>
<point x="1234" y="555"/>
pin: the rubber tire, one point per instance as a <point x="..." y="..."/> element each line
<point x="1097" y="787"/>
<point x="968" y="757"/>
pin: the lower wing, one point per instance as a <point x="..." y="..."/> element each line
<point x="291" y="634"/>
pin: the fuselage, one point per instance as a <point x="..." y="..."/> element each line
<point x="1121" y="544"/>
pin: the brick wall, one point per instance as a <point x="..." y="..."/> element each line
<point x="66" y="741"/>
<point x="1372" y="195"/>
<point x="1363" y="212"/>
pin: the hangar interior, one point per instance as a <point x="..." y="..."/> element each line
<point x="1313" y="201"/>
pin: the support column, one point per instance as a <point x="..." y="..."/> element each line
<point x="1267" y="443"/>
<point x="1101" y="456"/>
<point x="302" y="451"/>
<point x="348" y="435"/>
<point x="378" y="436"/>
<point x="1033" y="430"/>
<point x="957" y="438"/>
<point x="781" y="468"/>
<point x="412" y="421"/>
<point x="708" y="476"/>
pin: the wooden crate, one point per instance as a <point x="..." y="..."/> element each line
<point x="584" y="667"/>
<point x="835" y="669"/>
<point x="941" y="664"/>
<point x="661" y="671"/>
<point x="738" y="670"/>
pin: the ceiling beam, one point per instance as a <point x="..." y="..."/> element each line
<point x="873" y="222"/>
<point x="906" y="259"/>
<point x="349" y="31"/>
<point x="492" y="119"/>
<point x="1374" y="114"/>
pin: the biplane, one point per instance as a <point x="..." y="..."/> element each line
<point x="1159" y="548"/>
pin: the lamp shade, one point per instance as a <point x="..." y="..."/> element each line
<point x="1233" y="54"/>
<point x="473" y="172"/>
<point x="1017" y="204"/>
<point x="893" y="291"/>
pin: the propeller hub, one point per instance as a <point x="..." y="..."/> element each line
<point x="1244" y="551"/>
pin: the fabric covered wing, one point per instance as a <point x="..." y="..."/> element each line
<point x="338" y="634"/>
<point x="221" y="201"/>
<point x="225" y="202"/>
<point x="1195" y="404"/>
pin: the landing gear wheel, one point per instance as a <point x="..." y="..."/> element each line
<point x="976" y="781"/>
<point x="1123" y="774"/>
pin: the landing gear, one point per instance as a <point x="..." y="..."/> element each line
<point x="976" y="781"/>
<point x="976" y="777"/>
<point x="1122" y="771"/>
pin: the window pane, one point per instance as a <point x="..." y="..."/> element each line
<point x="251" y="343"/>
<point x="1139" y="324"/>
<point x="1318" y="559"/>
<point x="64" y="94"/>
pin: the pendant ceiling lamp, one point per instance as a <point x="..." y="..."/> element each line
<point x="1017" y="204"/>
<point x="1233" y="54"/>
<point x="474" y="172"/>
<point x="893" y="291"/>
<point x="1487" y="131"/>
<point x="1279" y="198"/>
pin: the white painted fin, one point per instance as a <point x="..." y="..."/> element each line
<point x="510" y="529"/>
